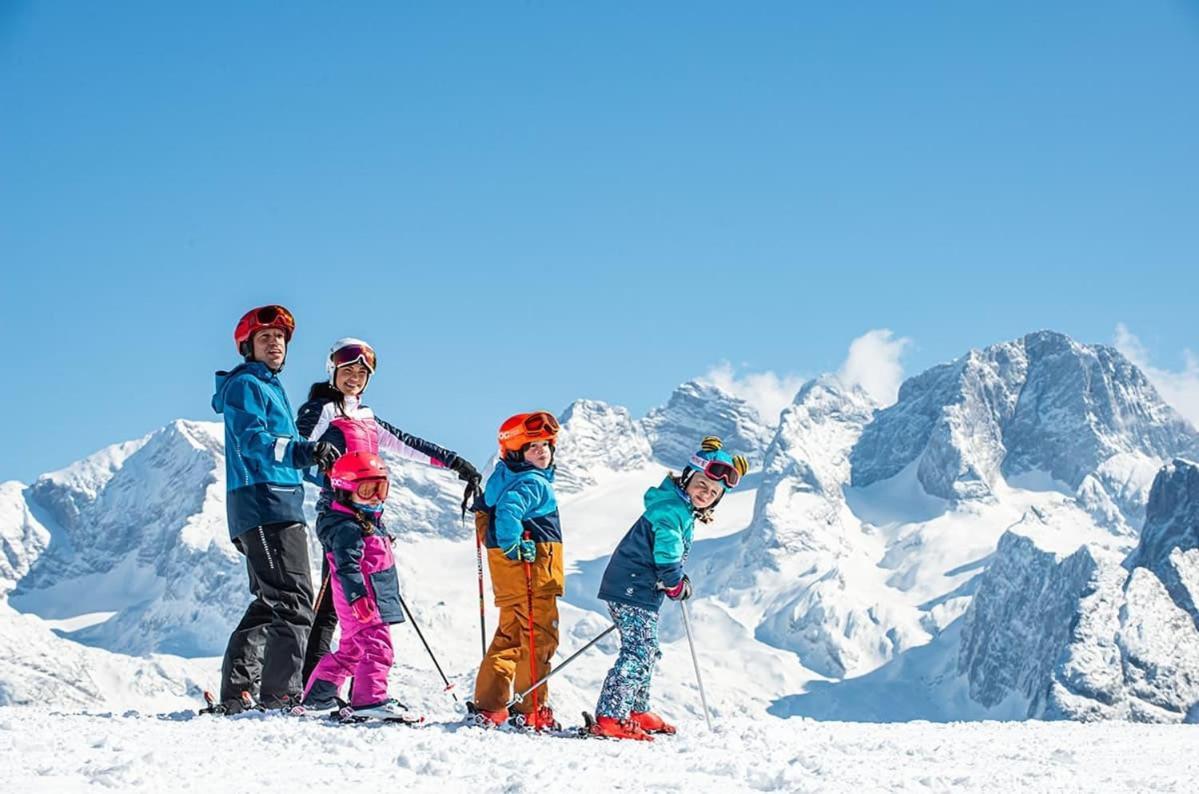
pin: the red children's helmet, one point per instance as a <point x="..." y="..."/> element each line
<point x="361" y="473"/>
<point x="522" y="429"/>
<point x="272" y="316"/>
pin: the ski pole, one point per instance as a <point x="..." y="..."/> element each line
<point x="695" y="660"/>
<point x="472" y="488"/>
<point x="482" y="601"/>
<point x="532" y="638"/>
<point x="448" y="686"/>
<point x="521" y="695"/>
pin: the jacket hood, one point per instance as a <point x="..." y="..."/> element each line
<point x="255" y="368"/>
<point x="508" y="474"/>
<point x="666" y="496"/>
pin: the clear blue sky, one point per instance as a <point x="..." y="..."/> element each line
<point x="525" y="203"/>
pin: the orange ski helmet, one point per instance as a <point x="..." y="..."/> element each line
<point x="522" y="429"/>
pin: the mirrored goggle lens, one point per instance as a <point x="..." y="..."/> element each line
<point x="371" y="489"/>
<point x="268" y="314"/>
<point x="353" y="354"/>
<point x="541" y="421"/>
<point x="719" y="470"/>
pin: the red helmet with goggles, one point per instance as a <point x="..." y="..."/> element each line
<point x="362" y="474"/>
<point x="255" y="320"/>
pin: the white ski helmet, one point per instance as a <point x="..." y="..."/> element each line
<point x="349" y="350"/>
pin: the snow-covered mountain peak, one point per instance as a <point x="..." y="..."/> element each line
<point x="1041" y="406"/>
<point x="597" y="437"/>
<point x="1082" y="637"/>
<point x="697" y="409"/>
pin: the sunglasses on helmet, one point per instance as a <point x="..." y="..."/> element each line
<point x="717" y="470"/>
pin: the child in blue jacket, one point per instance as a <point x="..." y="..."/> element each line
<point x="647" y="565"/>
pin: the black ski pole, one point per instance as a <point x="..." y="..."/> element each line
<point x="472" y="489"/>
<point x="518" y="697"/>
<point x="448" y="686"/>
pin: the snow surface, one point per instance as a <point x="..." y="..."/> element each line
<point x="252" y="753"/>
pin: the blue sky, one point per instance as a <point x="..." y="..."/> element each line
<point x="524" y="203"/>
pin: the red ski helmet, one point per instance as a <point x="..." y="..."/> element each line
<point x="253" y="321"/>
<point x="355" y="468"/>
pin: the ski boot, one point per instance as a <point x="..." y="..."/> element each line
<point x="285" y="703"/>
<point x="483" y="718"/>
<point x="650" y="722"/>
<point x="321" y="700"/>
<point x="612" y="728"/>
<point x="228" y="708"/>
<point x="390" y="710"/>
<point x="540" y="720"/>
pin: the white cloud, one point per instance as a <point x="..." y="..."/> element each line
<point x="874" y="364"/>
<point x="1179" y="388"/>
<point x="767" y="392"/>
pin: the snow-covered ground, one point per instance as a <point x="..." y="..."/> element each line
<point x="253" y="753"/>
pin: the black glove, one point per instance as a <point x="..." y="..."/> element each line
<point x="324" y="455"/>
<point x="465" y="471"/>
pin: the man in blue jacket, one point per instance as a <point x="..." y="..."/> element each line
<point x="264" y="454"/>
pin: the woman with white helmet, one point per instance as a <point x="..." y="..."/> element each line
<point x="335" y="413"/>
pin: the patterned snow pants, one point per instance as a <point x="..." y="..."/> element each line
<point x="626" y="688"/>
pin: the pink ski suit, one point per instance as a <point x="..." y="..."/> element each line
<point x="362" y="568"/>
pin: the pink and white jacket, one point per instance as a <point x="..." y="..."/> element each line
<point x="357" y="429"/>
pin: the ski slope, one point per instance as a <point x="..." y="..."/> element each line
<point x="46" y="752"/>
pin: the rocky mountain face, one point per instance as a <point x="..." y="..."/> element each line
<point x="1089" y="636"/>
<point x="598" y="438"/>
<point x="698" y="409"/>
<point x="1042" y="406"/>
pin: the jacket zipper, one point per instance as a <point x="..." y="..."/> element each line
<point x="270" y="561"/>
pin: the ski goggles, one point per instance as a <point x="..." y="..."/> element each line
<point x="353" y="354"/>
<point x="717" y="470"/>
<point x="542" y="422"/>
<point x="374" y="488"/>
<point x="275" y="315"/>
<point x="535" y="426"/>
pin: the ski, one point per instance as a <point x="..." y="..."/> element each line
<point x="347" y="716"/>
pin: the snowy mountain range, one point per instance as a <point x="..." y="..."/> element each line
<point x="1017" y="536"/>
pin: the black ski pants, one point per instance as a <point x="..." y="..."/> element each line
<point x="266" y="650"/>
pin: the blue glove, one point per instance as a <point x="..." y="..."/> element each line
<point x="523" y="550"/>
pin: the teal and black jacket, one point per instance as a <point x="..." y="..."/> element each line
<point x="652" y="551"/>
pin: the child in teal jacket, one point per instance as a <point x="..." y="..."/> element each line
<point x="647" y="565"/>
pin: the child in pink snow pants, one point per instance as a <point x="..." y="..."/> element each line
<point x="366" y="593"/>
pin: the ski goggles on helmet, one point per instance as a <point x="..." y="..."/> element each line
<point x="353" y="354"/>
<point x="374" y="488"/>
<point x="539" y="425"/>
<point x="541" y="422"/>
<point x="717" y="470"/>
<point x="275" y="315"/>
